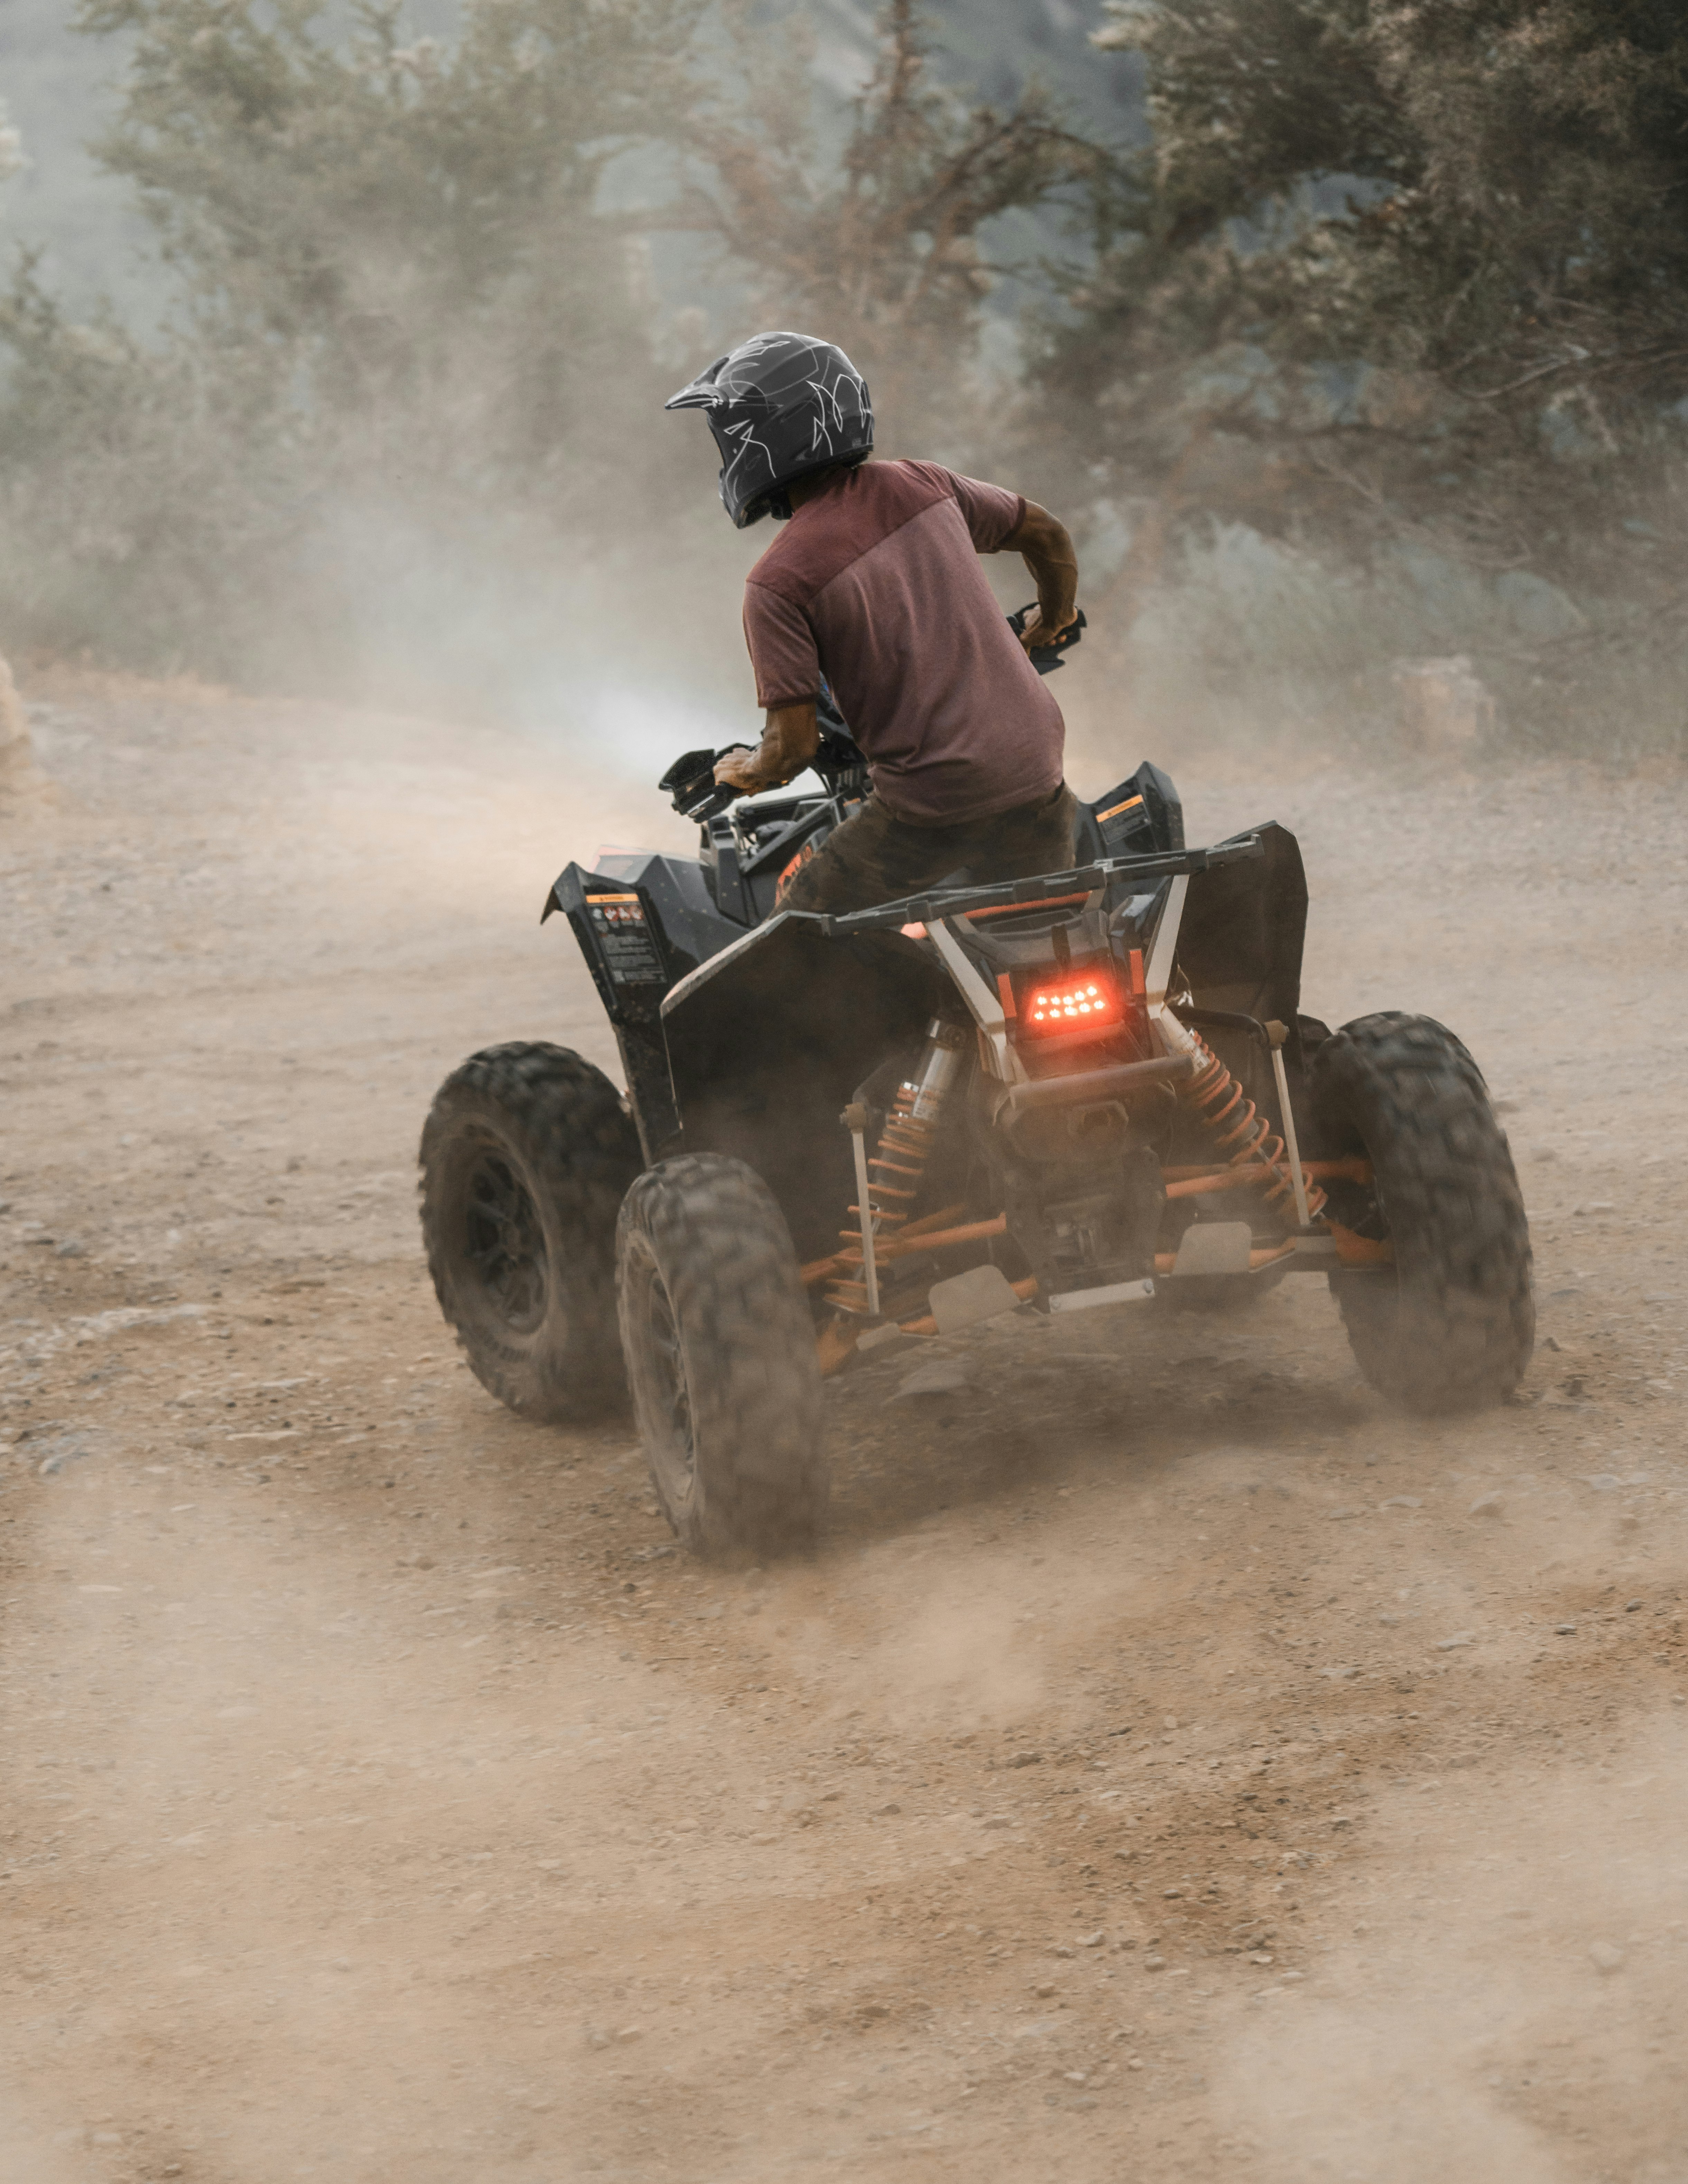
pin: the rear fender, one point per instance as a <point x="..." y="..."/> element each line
<point x="766" y="1042"/>
<point x="1244" y="926"/>
<point x="1238" y="951"/>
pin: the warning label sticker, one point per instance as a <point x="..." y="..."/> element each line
<point x="625" y="940"/>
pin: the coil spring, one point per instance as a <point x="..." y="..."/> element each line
<point x="895" y="1172"/>
<point x="1243" y="1133"/>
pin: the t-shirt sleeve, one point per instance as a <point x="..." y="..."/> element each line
<point x="993" y="514"/>
<point x="782" y="652"/>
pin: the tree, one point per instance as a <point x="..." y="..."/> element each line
<point x="886" y="249"/>
<point x="409" y="229"/>
<point x="147" y="508"/>
<point x="414" y="349"/>
<point x="1491" y="190"/>
<point x="410" y="348"/>
<point x="1411" y="272"/>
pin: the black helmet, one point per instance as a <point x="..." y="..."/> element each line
<point x="780" y="405"/>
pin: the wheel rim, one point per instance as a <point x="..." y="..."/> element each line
<point x="670" y="1393"/>
<point x="1389" y="1284"/>
<point x="506" y="1243"/>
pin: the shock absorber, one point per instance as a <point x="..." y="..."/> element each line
<point x="897" y="1166"/>
<point x="1240" y="1131"/>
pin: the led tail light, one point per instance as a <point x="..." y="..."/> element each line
<point x="1086" y="1001"/>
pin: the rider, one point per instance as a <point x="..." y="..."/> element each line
<point x="874" y="586"/>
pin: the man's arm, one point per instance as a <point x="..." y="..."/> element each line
<point x="1045" y="545"/>
<point x="790" y="739"/>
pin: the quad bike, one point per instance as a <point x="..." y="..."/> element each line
<point x="1088" y="1089"/>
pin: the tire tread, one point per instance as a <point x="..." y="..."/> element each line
<point x="725" y="1254"/>
<point x="568" y="1123"/>
<point x="1457" y="1329"/>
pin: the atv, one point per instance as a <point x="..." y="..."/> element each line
<point x="1093" y="1089"/>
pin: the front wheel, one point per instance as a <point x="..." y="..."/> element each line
<point x="1452" y="1325"/>
<point x="720" y="1344"/>
<point x="526" y="1155"/>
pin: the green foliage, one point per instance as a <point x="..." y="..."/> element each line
<point x="1248" y="96"/>
<point x="412" y="224"/>
<point x="404" y="318"/>
<point x="145" y="508"/>
<point x="1510" y="178"/>
<point x="1414" y="269"/>
<point x="414" y="351"/>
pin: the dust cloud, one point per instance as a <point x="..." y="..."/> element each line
<point x="1173" y="1764"/>
<point x="1545" y="1919"/>
<point x="1172" y="1755"/>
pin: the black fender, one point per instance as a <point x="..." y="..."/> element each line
<point x="768" y="1041"/>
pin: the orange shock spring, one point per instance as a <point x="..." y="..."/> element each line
<point x="897" y="1164"/>
<point x="894" y="1171"/>
<point x="1243" y="1133"/>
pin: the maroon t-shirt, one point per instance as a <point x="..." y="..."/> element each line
<point x="874" y="583"/>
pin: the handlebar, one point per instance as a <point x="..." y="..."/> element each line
<point x="1046" y="657"/>
<point x="691" y="785"/>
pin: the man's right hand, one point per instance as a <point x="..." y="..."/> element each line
<point x="790" y="739"/>
<point x="1045" y="545"/>
<point x="1044" y="626"/>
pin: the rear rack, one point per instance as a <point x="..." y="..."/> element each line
<point x="1036" y="892"/>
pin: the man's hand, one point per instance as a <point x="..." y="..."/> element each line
<point x="737" y="770"/>
<point x="1045" y="545"/>
<point x="790" y="739"/>
<point x="1040" y="630"/>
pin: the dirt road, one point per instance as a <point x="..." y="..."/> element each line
<point x="1175" y="1766"/>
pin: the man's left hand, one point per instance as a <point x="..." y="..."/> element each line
<point x="737" y="770"/>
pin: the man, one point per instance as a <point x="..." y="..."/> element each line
<point x="875" y="584"/>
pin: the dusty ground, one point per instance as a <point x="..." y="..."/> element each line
<point x="1175" y="1766"/>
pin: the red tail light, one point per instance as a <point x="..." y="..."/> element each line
<point x="1089" y="1000"/>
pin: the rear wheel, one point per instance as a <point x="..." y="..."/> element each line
<point x="1452" y="1325"/>
<point x="720" y="1344"/>
<point x="526" y="1154"/>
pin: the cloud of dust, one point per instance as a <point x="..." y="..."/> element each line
<point x="619" y="648"/>
<point x="37" y="2151"/>
<point x="1497" y="1946"/>
<point x="453" y="493"/>
<point x="950" y="1648"/>
<point x="276" y="1937"/>
<point x="979" y="1643"/>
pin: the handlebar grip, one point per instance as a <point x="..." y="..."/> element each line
<point x="1046" y="657"/>
<point x="692" y="787"/>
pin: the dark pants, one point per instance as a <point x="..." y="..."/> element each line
<point x="875" y="858"/>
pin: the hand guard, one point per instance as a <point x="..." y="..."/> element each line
<point x="691" y="784"/>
